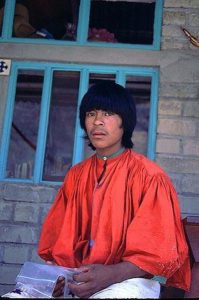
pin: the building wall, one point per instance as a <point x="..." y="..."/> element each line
<point x="23" y="207"/>
<point x="178" y="116"/>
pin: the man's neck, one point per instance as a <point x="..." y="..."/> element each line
<point x="105" y="156"/>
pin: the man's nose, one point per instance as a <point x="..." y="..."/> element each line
<point x="99" y="120"/>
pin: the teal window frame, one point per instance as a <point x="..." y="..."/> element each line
<point x="85" y="70"/>
<point x="82" y="29"/>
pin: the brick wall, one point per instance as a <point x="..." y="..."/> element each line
<point x="22" y="209"/>
<point x="178" y="114"/>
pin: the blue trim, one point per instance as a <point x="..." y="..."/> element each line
<point x="78" y="152"/>
<point x="8" y="20"/>
<point x="17" y="180"/>
<point x="83" y="22"/>
<point x="82" y="30"/>
<point x="43" y="126"/>
<point x="121" y="77"/>
<point x="153" y="115"/>
<point x="102" y="69"/>
<point x="160" y="279"/>
<point x="157" y="26"/>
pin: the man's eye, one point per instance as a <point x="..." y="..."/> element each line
<point x="109" y="113"/>
<point x="90" y="114"/>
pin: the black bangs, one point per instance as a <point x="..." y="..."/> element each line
<point x="101" y="101"/>
<point x="110" y="96"/>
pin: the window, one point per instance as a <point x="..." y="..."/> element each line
<point x="128" y="22"/>
<point x="42" y="137"/>
<point x="46" y="19"/>
<point x="25" y="123"/>
<point x="107" y="23"/>
<point x="2" y="5"/>
<point x="61" y="125"/>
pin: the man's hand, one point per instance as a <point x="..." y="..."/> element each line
<point x="59" y="287"/>
<point x="91" y="279"/>
<point x="96" y="277"/>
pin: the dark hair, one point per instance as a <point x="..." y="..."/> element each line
<point x="110" y="96"/>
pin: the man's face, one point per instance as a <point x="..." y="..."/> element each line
<point x="104" y="130"/>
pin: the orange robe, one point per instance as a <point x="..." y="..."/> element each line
<point x="132" y="215"/>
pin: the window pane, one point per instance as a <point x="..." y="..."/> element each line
<point x="96" y="78"/>
<point x="25" y="124"/>
<point x="46" y="19"/>
<point x="61" y="128"/>
<point x="125" y="21"/>
<point x="140" y="88"/>
<point x="2" y="4"/>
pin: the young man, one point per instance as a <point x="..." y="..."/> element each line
<point x="116" y="216"/>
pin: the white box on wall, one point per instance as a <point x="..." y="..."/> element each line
<point x="5" y="66"/>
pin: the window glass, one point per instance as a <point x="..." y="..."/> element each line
<point x="2" y="4"/>
<point x="140" y="89"/>
<point x="61" y="126"/>
<point x="122" y="21"/>
<point x="25" y="124"/>
<point x="46" y="19"/>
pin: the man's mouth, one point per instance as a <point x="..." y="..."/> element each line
<point x="97" y="133"/>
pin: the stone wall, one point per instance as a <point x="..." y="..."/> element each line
<point x="178" y="114"/>
<point x="22" y="210"/>
<point x="23" y="207"/>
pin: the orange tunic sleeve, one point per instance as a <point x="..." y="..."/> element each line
<point x="52" y="225"/>
<point x="155" y="239"/>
